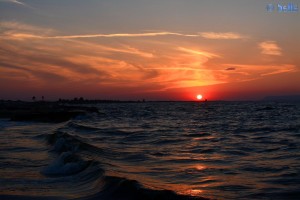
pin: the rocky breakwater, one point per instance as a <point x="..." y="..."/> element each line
<point x="52" y="112"/>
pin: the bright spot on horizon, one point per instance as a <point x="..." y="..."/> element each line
<point x="199" y="96"/>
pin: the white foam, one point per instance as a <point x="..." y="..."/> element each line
<point x="65" y="164"/>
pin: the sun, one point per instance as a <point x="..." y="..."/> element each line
<point x="199" y="97"/>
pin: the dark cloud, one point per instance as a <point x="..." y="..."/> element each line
<point x="230" y="69"/>
<point x="149" y="74"/>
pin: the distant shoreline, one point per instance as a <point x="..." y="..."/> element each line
<point x="292" y="98"/>
<point x="64" y="110"/>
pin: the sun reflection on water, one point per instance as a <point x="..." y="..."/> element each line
<point x="200" y="167"/>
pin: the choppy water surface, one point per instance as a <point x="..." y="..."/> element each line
<point x="220" y="150"/>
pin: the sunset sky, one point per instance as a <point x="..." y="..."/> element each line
<point x="148" y="49"/>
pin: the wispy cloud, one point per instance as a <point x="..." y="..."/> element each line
<point x="230" y="69"/>
<point x="123" y="35"/>
<point x="223" y="36"/>
<point x="263" y="70"/>
<point x="135" y="51"/>
<point x="206" y="35"/>
<point x="24" y="31"/>
<point x="270" y="48"/>
<point x="283" y="69"/>
<point x="34" y="36"/>
<point x="131" y="61"/>
<point x="14" y="27"/>
<point x="106" y="65"/>
<point x="197" y="52"/>
<point x="13" y="1"/>
<point x="17" y="2"/>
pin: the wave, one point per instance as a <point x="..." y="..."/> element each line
<point x="82" y="126"/>
<point x="77" y="159"/>
<point x="67" y="163"/>
<point x="220" y="151"/>
<point x="117" y="188"/>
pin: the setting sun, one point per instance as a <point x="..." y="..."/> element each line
<point x="199" y="97"/>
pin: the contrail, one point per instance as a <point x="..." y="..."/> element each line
<point x="122" y="35"/>
<point x="151" y="34"/>
<point x="25" y="36"/>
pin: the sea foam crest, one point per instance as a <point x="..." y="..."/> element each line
<point x="66" y="164"/>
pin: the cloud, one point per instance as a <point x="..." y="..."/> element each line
<point x="46" y="64"/>
<point x="223" y="36"/>
<point x="270" y="48"/>
<point x="132" y="50"/>
<point x="17" y="27"/>
<point x="197" y="52"/>
<point x="230" y="69"/>
<point x="34" y="73"/>
<point x="17" y="2"/>
<point x="13" y="30"/>
<point x="123" y="35"/>
<point x="34" y="36"/>
<point x="44" y="56"/>
<point x="207" y="35"/>
<point x="17" y="33"/>
<point x="13" y="1"/>
<point x="258" y="71"/>
<point x="286" y="69"/>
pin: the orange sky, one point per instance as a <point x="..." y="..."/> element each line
<point x="41" y="58"/>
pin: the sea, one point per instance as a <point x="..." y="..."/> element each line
<point x="156" y="150"/>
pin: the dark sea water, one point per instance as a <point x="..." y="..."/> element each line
<point x="218" y="150"/>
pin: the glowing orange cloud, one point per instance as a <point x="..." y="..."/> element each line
<point x="33" y="36"/>
<point x="197" y="52"/>
<point x="270" y="48"/>
<point x="226" y="36"/>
